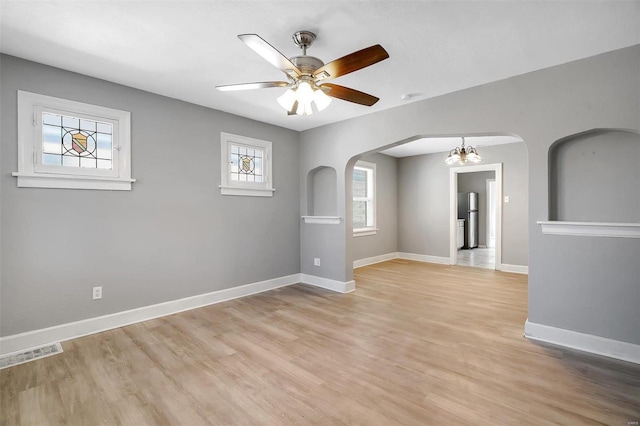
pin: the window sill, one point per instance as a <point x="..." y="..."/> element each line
<point x="56" y="181"/>
<point x="591" y="229"/>
<point x="246" y="192"/>
<point x="365" y="232"/>
<point x="322" y="220"/>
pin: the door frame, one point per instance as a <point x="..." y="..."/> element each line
<point x="453" y="208"/>
<point x="488" y="225"/>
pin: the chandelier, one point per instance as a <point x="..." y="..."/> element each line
<point x="463" y="155"/>
<point x="298" y="99"/>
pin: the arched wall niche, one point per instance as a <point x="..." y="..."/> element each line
<point x="594" y="176"/>
<point x="322" y="199"/>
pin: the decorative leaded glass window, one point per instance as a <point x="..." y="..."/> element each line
<point x="364" y="203"/>
<point x="68" y="144"/>
<point x="246" y="163"/>
<point x="246" y="166"/>
<point x="75" y="142"/>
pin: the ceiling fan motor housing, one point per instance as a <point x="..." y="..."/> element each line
<point x="306" y="64"/>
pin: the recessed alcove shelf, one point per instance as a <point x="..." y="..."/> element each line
<point x="322" y="220"/>
<point x="591" y="229"/>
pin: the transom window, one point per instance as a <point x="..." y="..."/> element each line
<point x="364" y="203"/>
<point x="69" y="144"/>
<point x="245" y="166"/>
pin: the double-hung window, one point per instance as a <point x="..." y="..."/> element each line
<point x="364" y="199"/>
<point x="245" y="166"/>
<point x="68" y="144"/>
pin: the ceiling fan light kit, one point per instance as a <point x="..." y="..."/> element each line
<point x="307" y="75"/>
<point x="463" y="155"/>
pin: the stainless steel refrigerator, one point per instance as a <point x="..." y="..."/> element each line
<point x="468" y="210"/>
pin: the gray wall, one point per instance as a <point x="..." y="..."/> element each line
<point x="386" y="240"/>
<point x="595" y="178"/>
<point x="423" y="185"/>
<point x="323" y="197"/>
<point x="171" y="237"/>
<point x="477" y="182"/>
<point x="584" y="284"/>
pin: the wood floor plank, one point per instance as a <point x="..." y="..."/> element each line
<point x="416" y="344"/>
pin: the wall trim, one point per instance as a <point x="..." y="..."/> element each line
<point x="425" y="258"/>
<point x="518" y="269"/>
<point x="583" y="342"/>
<point x="591" y="229"/>
<point x="326" y="283"/>
<point x="62" y="332"/>
<point x="322" y="220"/>
<point x="374" y="259"/>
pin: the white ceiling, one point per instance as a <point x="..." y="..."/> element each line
<point x="446" y="144"/>
<point x="182" y="49"/>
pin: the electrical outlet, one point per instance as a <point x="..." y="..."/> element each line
<point x="97" y="293"/>
<point x="316" y="261"/>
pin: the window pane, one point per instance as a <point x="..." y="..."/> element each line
<point x="359" y="214"/>
<point x="88" y="125"/>
<point x="359" y="183"/>
<point x="105" y="128"/>
<point x="70" y="161"/>
<point x="71" y="122"/>
<point x="51" y="139"/>
<point x="105" y="148"/>
<point x="53" y="119"/>
<point x="54" y="160"/>
<point x="91" y="145"/>
<point x="104" y="164"/>
<point x="88" y="163"/>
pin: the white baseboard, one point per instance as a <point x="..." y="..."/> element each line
<point x="339" y="286"/>
<point x="60" y="333"/>
<point x="583" y="342"/>
<point x="425" y="258"/>
<point x="518" y="269"/>
<point x="400" y="255"/>
<point x="374" y="259"/>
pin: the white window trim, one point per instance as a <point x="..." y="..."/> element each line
<point x="369" y="230"/>
<point x="32" y="174"/>
<point x="249" y="189"/>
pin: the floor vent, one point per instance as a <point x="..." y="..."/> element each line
<point x="17" y="358"/>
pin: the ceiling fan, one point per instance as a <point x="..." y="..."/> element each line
<point x="308" y="76"/>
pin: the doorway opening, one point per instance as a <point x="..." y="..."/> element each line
<point x="476" y="216"/>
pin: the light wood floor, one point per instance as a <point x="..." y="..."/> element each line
<point x="415" y="344"/>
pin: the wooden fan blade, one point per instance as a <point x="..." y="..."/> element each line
<point x="251" y="86"/>
<point x="350" y="63"/>
<point x="271" y="54"/>
<point x="346" y="94"/>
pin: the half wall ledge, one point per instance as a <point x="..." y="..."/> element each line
<point x="322" y="220"/>
<point x="591" y="229"/>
